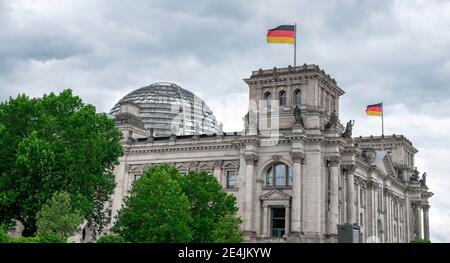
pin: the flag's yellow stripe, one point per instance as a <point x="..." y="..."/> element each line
<point x="280" y="40"/>
<point x="374" y="113"/>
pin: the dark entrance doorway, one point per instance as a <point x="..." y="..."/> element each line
<point x="278" y="220"/>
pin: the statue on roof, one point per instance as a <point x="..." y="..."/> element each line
<point x="415" y="175"/>
<point x="298" y="116"/>
<point x="348" y="129"/>
<point x="423" y="181"/>
<point x="332" y="123"/>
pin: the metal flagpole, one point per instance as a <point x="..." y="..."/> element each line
<point x="295" y="44"/>
<point x="382" y="119"/>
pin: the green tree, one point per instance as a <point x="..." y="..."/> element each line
<point x="50" y="144"/>
<point x="111" y="239"/>
<point x="226" y="230"/>
<point x="210" y="209"/>
<point x="156" y="210"/>
<point x="57" y="217"/>
<point x="420" y="241"/>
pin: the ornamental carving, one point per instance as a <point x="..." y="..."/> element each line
<point x="349" y="168"/>
<point x="275" y="195"/>
<point x="297" y="156"/>
<point x="276" y="157"/>
<point x="360" y="181"/>
<point x="425" y="208"/>
<point x="333" y="160"/>
<point x="250" y="159"/>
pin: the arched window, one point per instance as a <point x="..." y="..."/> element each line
<point x="282" y="97"/>
<point x="279" y="175"/>
<point x="297" y="97"/>
<point x="268" y="98"/>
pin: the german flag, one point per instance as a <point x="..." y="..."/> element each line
<point x="375" y="109"/>
<point x="281" y="35"/>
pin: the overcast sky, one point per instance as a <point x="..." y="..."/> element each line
<point x="395" y="51"/>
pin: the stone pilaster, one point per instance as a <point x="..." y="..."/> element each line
<point x="250" y="161"/>
<point x="426" y="222"/>
<point x="350" y="171"/>
<point x="333" y="164"/>
<point x="297" y="158"/>
<point x="217" y="171"/>
<point x="417" y="221"/>
<point x="265" y="226"/>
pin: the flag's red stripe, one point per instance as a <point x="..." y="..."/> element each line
<point x="374" y="109"/>
<point x="280" y="33"/>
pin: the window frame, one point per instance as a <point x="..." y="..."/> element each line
<point x="295" y="98"/>
<point x="268" y="98"/>
<point x="227" y="173"/>
<point x="273" y="178"/>
<point x="282" y="98"/>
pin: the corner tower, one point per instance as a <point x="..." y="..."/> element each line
<point x="279" y="90"/>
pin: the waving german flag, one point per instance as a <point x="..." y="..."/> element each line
<point x="375" y="109"/>
<point x="284" y="34"/>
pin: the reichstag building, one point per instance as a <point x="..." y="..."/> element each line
<point x="295" y="169"/>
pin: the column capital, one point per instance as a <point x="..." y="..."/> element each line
<point x="415" y="204"/>
<point x="349" y="168"/>
<point x="250" y="158"/>
<point x="297" y="156"/>
<point x="332" y="160"/>
<point x="425" y="207"/>
<point x="372" y="185"/>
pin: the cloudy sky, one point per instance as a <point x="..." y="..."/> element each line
<point x="395" y="51"/>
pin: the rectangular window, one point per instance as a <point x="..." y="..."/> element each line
<point x="278" y="221"/>
<point x="231" y="179"/>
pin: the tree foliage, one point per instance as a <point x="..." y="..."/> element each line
<point x="57" y="217"/>
<point x="226" y="230"/>
<point x="210" y="208"/>
<point x="164" y="206"/>
<point x="420" y="241"/>
<point x="50" y="144"/>
<point x="156" y="210"/>
<point x="111" y="239"/>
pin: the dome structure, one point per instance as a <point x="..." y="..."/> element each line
<point x="170" y="109"/>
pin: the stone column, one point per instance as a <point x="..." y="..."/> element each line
<point x="250" y="160"/>
<point x="287" y="227"/>
<point x="333" y="164"/>
<point x="417" y="225"/>
<point x="370" y="209"/>
<point x="386" y="213"/>
<point x="297" y="158"/>
<point x="216" y="172"/>
<point x="426" y="222"/>
<point x="350" y="170"/>
<point x="406" y="218"/>
<point x="265" y="217"/>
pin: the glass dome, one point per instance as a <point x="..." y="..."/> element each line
<point x="168" y="108"/>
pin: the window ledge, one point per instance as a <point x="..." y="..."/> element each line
<point x="231" y="189"/>
<point x="276" y="187"/>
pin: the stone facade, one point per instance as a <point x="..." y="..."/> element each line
<point x="294" y="175"/>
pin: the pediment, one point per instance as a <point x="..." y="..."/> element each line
<point x="205" y="165"/>
<point x="275" y="195"/>
<point x="136" y="168"/>
<point x="230" y="165"/>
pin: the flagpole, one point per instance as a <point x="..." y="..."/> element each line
<point x="382" y="119"/>
<point x="295" y="44"/>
